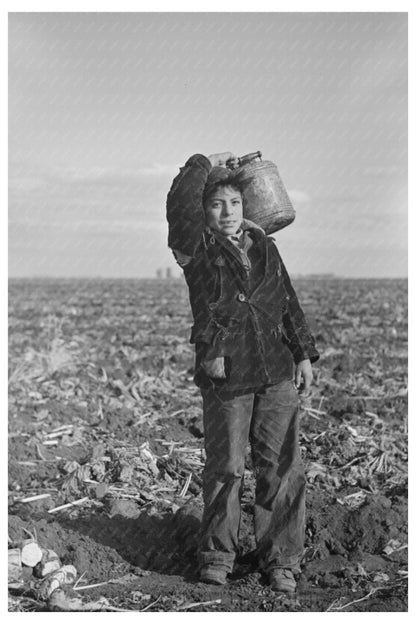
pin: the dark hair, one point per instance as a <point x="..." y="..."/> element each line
<point x="226" y="178"/>
<point x="213" y="188"/>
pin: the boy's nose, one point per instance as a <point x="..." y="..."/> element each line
<point x="227" y="208"/>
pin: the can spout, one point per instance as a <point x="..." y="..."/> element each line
<point x="247" y="158"/>
<point x="244" y="160"/>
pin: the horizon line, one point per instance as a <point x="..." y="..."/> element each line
<point x="180" y="276"/>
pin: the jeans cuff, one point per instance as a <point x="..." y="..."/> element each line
<point x="216" y="557"/>
<point x="288" y="563"/>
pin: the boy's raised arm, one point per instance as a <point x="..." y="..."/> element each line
<point x="184" y="208"/>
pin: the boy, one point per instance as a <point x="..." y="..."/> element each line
<point x="250" y="337"/>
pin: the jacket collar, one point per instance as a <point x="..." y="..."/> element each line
<point x="217" y="243"/>
<point x="256" y="234"/>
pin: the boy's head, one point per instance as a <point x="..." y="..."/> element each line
<point x="223" y="201"/>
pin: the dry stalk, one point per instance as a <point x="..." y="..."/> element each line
<point x="80" y="501"/>
<point x="191" y="605"/>
<point x="77" y="582"/>
<point x="316" y="411"/>
<point x="31" y="535"/>
<point x="36" y="497"/>
<point x="57" y="430"/>
<point x="352" y="462"/>
<point x="332" y="606"/>
<point x="186" y="486"/>
<point x="152" y="604"/>
<point x="91" y="586"/>
<point x="310" y="413"/>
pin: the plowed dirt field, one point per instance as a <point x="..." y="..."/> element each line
<point x="103" y="413"/>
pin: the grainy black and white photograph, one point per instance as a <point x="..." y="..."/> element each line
<point x="208" y="311"/>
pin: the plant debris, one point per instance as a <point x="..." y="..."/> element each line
<point x="106" y="452"/>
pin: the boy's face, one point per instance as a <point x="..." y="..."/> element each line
<point x="224" y="210"/>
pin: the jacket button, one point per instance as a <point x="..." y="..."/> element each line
<point x="241" y="297"/>
<point x="212" y="306"/>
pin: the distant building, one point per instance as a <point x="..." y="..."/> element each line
<point x="167" y="273"/>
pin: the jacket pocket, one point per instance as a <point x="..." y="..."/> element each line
<point x="218" y="329"/>
<point x="227" y="327"/>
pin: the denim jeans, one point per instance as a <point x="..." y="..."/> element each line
<point x="268" y="417"/>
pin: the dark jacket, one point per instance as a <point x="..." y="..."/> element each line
<point x="252" y="319"/>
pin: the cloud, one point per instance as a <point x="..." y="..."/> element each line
<point x="100" y="174"/>
<point x="25" y="184"/>
<point x="76" y="194"/>
<point x="25" y="176"/>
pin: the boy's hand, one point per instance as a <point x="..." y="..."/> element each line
<point x="220" y="160"/>
<point x="303" y="377"/>
<point x="214" y="368"/>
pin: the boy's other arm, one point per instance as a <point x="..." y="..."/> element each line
<point x="299" y="338"/>
<point x="304" y="376"/>
<point x="184" y="209"/>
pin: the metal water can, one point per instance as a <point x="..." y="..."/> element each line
<point x="265" y="198"/>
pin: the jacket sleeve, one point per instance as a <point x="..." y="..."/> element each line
<point x="184" y="208"/>
<point x="295" y="328"/>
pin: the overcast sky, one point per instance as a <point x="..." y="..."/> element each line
<point x="105" y="107"/>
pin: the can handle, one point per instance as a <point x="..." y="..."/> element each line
<point x="247" y="158"/>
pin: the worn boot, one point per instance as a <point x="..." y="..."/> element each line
<point x="282" y="579"/>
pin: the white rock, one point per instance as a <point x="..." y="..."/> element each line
<point x="31" y="553"/>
